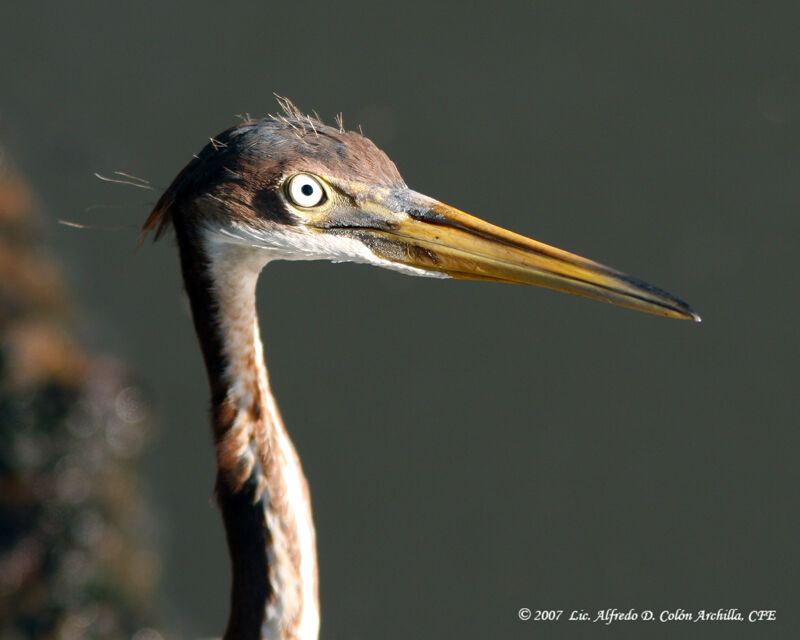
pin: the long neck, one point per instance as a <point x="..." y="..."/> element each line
<point x="261" y="489"/>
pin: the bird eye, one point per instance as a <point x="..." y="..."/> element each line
<point x="305" y="191"/>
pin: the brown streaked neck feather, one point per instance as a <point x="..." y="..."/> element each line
<point x="261" y="489"/>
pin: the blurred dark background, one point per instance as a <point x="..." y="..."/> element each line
<point x="471" y="448"/>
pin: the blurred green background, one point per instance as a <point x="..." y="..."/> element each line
<point x="471" y="448"/>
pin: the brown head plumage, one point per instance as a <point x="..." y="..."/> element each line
<point x="244" y="164"/>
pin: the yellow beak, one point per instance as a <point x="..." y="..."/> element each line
<point x="436" y="237"/>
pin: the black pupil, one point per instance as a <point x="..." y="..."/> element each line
<point x="307" y="189"/>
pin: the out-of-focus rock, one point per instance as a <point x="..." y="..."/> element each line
<point x="74" y="555"/>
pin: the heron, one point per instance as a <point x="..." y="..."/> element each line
<point x="288" y="187"/>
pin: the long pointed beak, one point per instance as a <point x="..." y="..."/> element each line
<point x="436" y="237"/>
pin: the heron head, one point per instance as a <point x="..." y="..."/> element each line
<point x="289" y="187"/>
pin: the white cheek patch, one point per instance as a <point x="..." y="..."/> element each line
<point x="300" y="244"/>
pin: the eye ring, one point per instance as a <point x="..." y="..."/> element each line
<point x="305" y="191"/>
